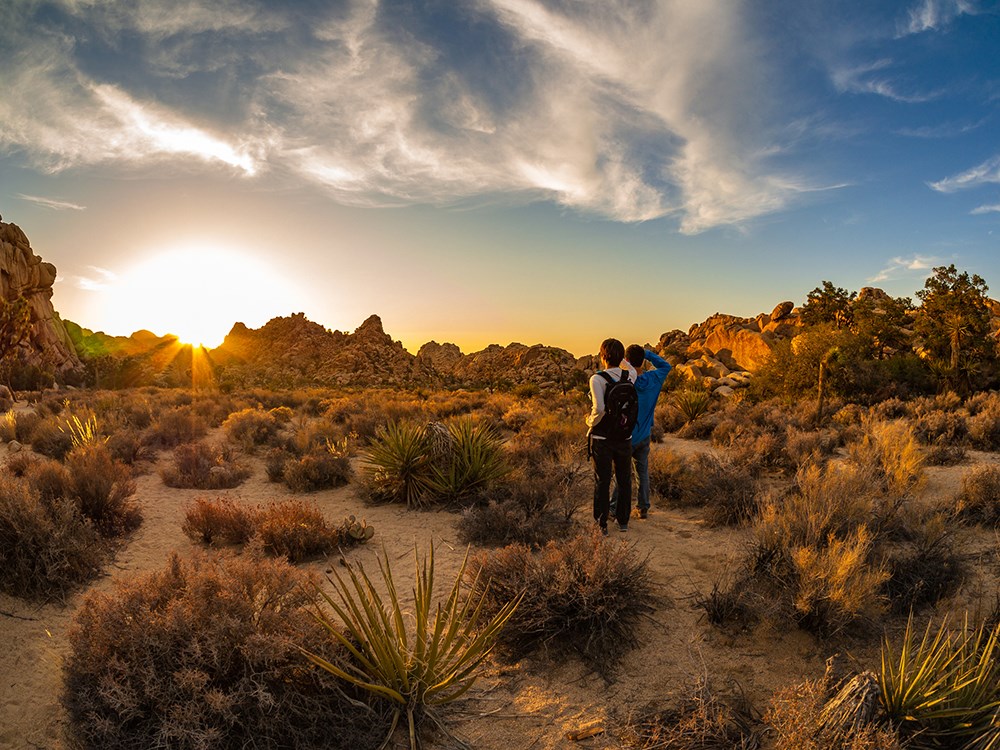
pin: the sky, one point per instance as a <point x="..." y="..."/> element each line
<point x="491" y="171"/>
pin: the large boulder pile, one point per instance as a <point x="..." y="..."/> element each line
<point x="23" y="274"/>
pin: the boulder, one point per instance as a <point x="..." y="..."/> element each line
<point x="724" y="390"/>
<point x="781" y="310"/>
<point x="740" y="349"/>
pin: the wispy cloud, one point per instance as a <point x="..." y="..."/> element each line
<point x="54" y="204"/>
<point x="931" y="15"/>
<point x="986" y="210"/>
<point x="945" y="130"/>
<point x="984" y="174"/>
<point x="900" y="267"/>
<point x="868" y="79"/>
<point x="100" y="280"/>
<point x="599" y="107"/>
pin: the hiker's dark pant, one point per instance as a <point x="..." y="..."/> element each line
<point x="612" y="457"/>
<point x="640" y="459"/>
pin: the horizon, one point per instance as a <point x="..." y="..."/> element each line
<point x="505" y="170"/>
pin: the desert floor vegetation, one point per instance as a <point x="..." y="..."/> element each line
<point x="774" y="544"/>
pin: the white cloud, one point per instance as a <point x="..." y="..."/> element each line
<point x="54" y="204"/>
<point x="900" y="267"/>
<point x="606" y="111"/>
<point x="930" y="15"/>
<point x="862" y="79"/>
<point x="986" y="210"/>
<point x="101" y="280"/>
<point x="984" y="174"/>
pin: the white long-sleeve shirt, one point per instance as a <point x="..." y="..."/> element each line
<point x="598" y="387"/>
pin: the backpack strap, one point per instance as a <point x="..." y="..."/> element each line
<point x="624" y="377"/>
<point x="607" y="376"/>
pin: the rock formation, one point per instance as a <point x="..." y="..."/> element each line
<point x="24" y="274"/>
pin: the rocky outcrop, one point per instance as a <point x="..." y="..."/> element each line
<point x="23" y="274"/>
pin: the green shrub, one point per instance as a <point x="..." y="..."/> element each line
<point x="206" y="654"/>
<point x="583" y="595"/>
<point x="691" y="403"/>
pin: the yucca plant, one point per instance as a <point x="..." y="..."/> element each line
<point x="419" y="666"/>
<point x="945" y="690"/>
<point x="398" y="464"/>
<point x="474" y="462"/>
<point x="691" y="403"/>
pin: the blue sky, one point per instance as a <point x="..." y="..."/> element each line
<point x="494" y="170"/>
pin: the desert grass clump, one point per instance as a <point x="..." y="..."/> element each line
<point x="942" y="453"/>
<point x="667" y="471"/>
<point x="8" y="426"/>
<point x="892" y="451"/>
<point x="417" y="667"/>
<point x="104" y="489"/>
<point x="205" y="467"/>
<point x="46" y="547"/>
<point x="943" y="688"/>
<point x="298" y="530"/>
<point x="49" y="439"/>
<point x="978" y="500"/>
<point x="925" y="566"/>
<point x="207" y="654"/>
<point x="581" y="595"/>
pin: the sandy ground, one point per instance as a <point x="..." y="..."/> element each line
<point x="529" y="705"/>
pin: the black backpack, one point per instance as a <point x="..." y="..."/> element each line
<point x="621" y="408"/>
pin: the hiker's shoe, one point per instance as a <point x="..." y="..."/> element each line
<point x="623" y="527"/>
<point x="643" y="513"/>
<point x="604" y="530"/>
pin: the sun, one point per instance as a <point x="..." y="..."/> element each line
<point x="197" y="293"/>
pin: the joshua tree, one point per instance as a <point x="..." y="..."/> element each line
<point x="954" y="321"/>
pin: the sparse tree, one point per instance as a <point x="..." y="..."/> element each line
<point x="954" y="323"/>
<point x="828" y="304"/>
<point x="880" y="323"/>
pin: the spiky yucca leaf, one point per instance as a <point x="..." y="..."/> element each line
<point x="946" y="689"/>
<point x="399" y="464"/>
<point x="430" y="662"/>
<point x="691" y="403"/>
<point x="475" y="461"/>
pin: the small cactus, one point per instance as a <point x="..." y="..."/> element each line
<point x="359" y="531"/>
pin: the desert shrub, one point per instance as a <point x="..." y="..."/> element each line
<point x="205" y="467"/>
<point x="298" y="530"/>
<point x="728" y="604"/>
<point x="49" y="439"/>
<point x="418" y="667"/>
<point x="757" y="450"/>
<point x="17" y="464"/>
<point x="802" y="447"/>
<point x="104" y="489"/>
<point x="943" y="688"/>
<point x="581" y="595"/>
<point x="127" y="446"/>
<point x="220" y="521"/>
<point x="517" y="417"/>
<point x="700" y="719"/>
<point x="699" y="429"/>
<point x="891" y="451"/>
<point x="852" y="414"/>
<point x="945" y="454"/>
<point x="49" y="478"/>
<point x="8" y="426"/>
<point x="984" y="429"/>
<point x="978" y="500"/>
<point x="836" y="584"/>
<point x="317" y="470"/>
<point x="251" y="427"/>
<point x="26" y="424"/>
<point x="274" y="463"/>
<point x="535" y="506"/>
<point x="174" y="427"/>
<point x="666" y="474"/>
<point x="826" y="715"/>
<point x="727" y="491"/>
<point x="924" y="568"/>
<point x="206" y="654"/>
<point x="940" y="426"/>
<point x="46" y="547"/>
<point x="666" y="417"/>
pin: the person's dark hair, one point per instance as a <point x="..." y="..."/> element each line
<point x="635" y="355"/>
<point x="612" y="352"/>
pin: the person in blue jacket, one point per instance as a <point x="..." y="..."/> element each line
<point x="648" y="386"/>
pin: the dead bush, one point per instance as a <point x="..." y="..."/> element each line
<point x="318" y="470"/>
<point x="50" y="439"/>
<point x="251" y="427"/>
<point x="49" y="477"/>
<point x="219" y="521"/>
<point x="727" y="491"/>
<point x="205" y="655"/>
<point x="940" y="426"/>
<point x="978" y="501"/>
<point x="204" y="467"/>
<point x="126" y="445"/>
<point x="175" y="427"/>
<point x="984" y="429"/>
<point x="297" y="530"/>
<point x="945" y="454"/>
<point x="583" y="595"/>
<point x="104" y="489"/>
<point x="46" y="547"/>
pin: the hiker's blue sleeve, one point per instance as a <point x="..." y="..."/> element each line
<point x="659" y="362"/>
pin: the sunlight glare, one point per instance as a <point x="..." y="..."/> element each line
<point x="197" y="294"/>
